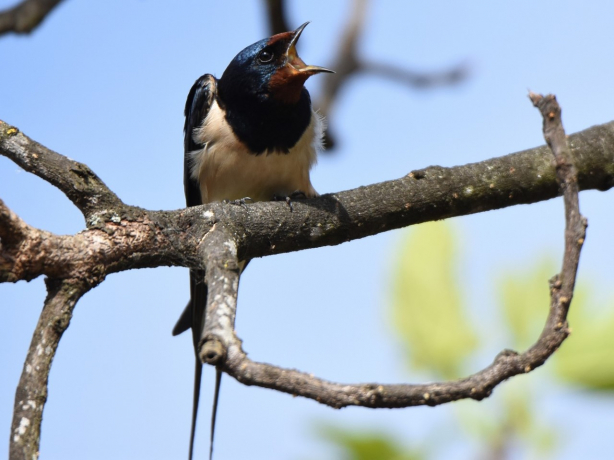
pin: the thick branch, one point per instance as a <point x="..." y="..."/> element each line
<point x="31" y="392"/>
<point x="129" y="237"/>
<point x="76" y="180"/>
<point x="14" y="232"/>
<point x="26" y="16"/>
<point x="433" y="193"/>
<point x="130" y="240"/>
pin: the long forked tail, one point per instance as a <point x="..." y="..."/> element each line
<point x="198" y="372"/>
<point x="194" y="315"/>
<point x="198" y="303"/>
<point x="216" y="397"/>
<point x="218" y="382"/>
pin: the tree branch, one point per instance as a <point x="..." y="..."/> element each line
<point x="118" y="244"/>
<point x="77" y="181"/>
<point x="31" y="395"/>
<point x="415" y="79"/>
<point x="20" y="254"/>
<point x="477" y="386"/>
<point x="126" y="237"/>
<point x="562" y="285"/>
<point x="217" y="236"/>
<point x="433" y="193"/>
<point x="26" y="16"/>
<point x="222" y="277"/>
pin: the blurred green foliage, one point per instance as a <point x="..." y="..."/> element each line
<point x="368" y="445"/>
<point x="586" y="359"/>
<point x="430" y="315"/>
<point x="427" y="304"/>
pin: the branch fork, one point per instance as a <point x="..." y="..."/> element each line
<point x="222" y="348"/>
<point x="218" y="236"/>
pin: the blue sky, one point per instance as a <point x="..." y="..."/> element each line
<point x="105" y="83"/>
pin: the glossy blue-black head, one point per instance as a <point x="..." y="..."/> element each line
<point x="269" y="69"/>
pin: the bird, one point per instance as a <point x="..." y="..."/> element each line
<point x="251" y="135"/>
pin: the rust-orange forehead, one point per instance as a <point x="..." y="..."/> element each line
<point x="285" y="36"/>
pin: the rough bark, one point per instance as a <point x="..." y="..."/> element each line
<point x="126" y="237"/>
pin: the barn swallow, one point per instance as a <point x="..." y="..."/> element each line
<point x="250" y="134"/>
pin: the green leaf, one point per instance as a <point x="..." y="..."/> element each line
<point x="427" y="312"/>
<point x="586" y="358"/>
<point x="367" y="445"/>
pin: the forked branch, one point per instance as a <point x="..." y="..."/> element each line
<point x="121" y="237"/>
<point x="234" y="361"/>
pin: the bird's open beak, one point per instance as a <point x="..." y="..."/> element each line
<point x="296" y="62"/>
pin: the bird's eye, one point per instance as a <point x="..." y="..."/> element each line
<point x="265" y="56"/>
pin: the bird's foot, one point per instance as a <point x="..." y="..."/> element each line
<point x="239" y="202"/>
<point x="296" y="195"/>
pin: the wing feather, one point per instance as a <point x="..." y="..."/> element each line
<point x="200" y="99"/>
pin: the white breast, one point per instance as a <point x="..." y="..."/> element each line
<point x="227" y="171"/>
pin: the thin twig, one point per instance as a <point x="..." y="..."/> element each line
<point x="419" y="80"/>
<point x="562" y="285"/>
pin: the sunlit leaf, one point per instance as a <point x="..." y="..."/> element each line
<point x="368" y="445"/>
<point x="587" y="356"/>
<point x="427" y="309"/>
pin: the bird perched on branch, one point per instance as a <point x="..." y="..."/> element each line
<point x="250" y="134"/>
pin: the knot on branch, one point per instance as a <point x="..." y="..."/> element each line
<point x="504" y="355"/>
<point x="213" y="352"/>
<point x="7" y="130"/>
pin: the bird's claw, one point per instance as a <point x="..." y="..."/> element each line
<point x="296" y="195"/>
<point x="239" y="202"/>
